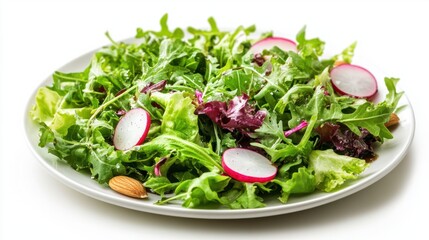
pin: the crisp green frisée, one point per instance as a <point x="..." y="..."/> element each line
<point x="204" y="121"/>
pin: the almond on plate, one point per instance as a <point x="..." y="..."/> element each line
<point x="128" y="186"/>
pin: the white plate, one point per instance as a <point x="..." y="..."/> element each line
<point x="390" y="154"/>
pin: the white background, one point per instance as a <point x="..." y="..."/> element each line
<point x="38" y="37"/>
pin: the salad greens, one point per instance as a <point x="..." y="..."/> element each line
<point x="205" y="92"/>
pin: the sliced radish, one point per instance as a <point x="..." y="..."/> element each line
<point x="353" y="80"/>
<point x="132" y="129"/>
<point x="268" y="43"/>
<point x="247" y="166"/>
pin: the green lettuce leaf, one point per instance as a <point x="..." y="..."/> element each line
<point x="160" y="185"/>
<point x="48" y="110"/>
<point x="302" y="181"/>
<point x="374" y="116"/>
<point x="248" y="198"/>
<point x="370" y="117"/>
<point x="106" y="163"/>
<point x="332" y="170"/>
<point x="200" y="192"/>
<point x="166" y="144"/>
<point x="47" y="103"/>
<point x="163" y="32"/>
<point x="179" y="118"/>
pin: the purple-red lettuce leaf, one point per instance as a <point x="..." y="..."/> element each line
<point x="237" y="114"/>
<point x="159" y="86"/>
<point x="344" y="141"/>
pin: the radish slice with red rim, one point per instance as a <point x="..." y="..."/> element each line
<point x="354" y="81"/>
<point x="131" y="129"/>
<point x="268" y="43"/>
<point x="247" y="166"/>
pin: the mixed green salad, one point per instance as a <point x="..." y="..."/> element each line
<point x="206" y="91"/>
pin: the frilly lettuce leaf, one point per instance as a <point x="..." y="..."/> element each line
<point x="248" y="197"/>
<point x="302" y="181"/>
<point x="187" y="151"/>
<point x="179" y="118"/>
<point x="48" y="110"/>
<point x="200" y="192"/>
<point x="332" y="170"/>
<point x="47" y="102"/>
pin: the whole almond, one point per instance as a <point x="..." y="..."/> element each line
<point x="393" y="120"/>
<point x="128" y="186"/>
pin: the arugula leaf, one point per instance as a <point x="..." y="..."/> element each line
<point x="248" y="198"/>
<point x="373" y="117"/>
<point x="160" y="185"/>
<point x="163" y="32"/>
<point x="46" y="136"/>
<point x="270" y="127"/>
<point x="392" y="97"/>
<point x="346" y="55"/>
<point x="65" y="82"/>
<point x="369" y="117"/>
<point x="166" y="144"/>
<point x="201" y="191"/>
<point x="187" y="82"/>
<point x="238" y="81"/>
<point x="106" y="163"/>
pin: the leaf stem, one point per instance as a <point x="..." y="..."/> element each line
<point x="70" y="78"/>
<point x="166" y="200"/>
<point x="266" y="79"/>
<point x="104" y="105"/>
<point x="308" y="132"/>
